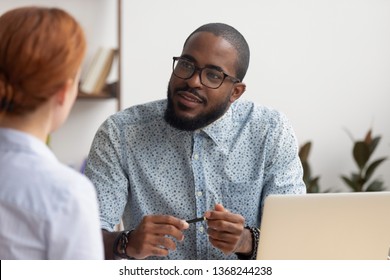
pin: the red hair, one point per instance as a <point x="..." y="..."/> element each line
<point x="40" y="49"/>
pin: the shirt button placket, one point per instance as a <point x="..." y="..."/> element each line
<point x="199" y="194"/>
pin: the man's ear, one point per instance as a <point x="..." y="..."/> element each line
<point x="63" y="92"/>
<point x="238" y="90"/>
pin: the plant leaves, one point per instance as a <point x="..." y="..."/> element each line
<point x="371" y="168"/>
<point x="313" y="187"/>
<point x="375" y="186"/>
<point x="361" y="153"/>
<point x="304" y="151"/>
<point x="356" y="178"/>
<point x="372" y="145"/>
<point x="350" y="183"/>
<point x="306" y="170"/>
<point x="368" y="138"/>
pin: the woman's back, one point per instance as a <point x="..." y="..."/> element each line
<point x="45" y="207"/>
<point x="47" y="210"/>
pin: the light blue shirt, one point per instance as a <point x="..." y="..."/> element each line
<point x="47" y="210"/>
<point x="140" y="165"/>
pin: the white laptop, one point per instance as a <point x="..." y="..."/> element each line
<point x="326" y="226"/>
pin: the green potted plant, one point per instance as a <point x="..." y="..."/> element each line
<point x="360" y="181"/>
<point x="310" y="182"/>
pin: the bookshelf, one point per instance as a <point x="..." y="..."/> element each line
<point x="112" y="90"/>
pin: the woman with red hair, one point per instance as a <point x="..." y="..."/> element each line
<point x="47" y="210"/>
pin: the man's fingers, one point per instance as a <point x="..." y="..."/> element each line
<point x="155" y="236"/>
<point x="166" y="219"/>
<point x="171" y="231"/>
<point x="164" y="242"/>
<point x="224" y="216"/>
<point x="222" y="245"/>
<point x="219" y="207"/>
<point x="227" y="236"/>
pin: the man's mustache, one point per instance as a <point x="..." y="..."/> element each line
<point x="192" y="91"/>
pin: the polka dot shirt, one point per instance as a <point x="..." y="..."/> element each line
<point x="140" y="165"/>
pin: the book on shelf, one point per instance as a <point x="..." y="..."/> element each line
<point x="96" y="76"/>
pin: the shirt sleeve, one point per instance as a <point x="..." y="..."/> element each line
<point x="104" y="168"/>
<point x="283" y="173"/>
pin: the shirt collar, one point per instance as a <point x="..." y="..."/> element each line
<point x="218" y="131"/>
<point x="21" y="141"/>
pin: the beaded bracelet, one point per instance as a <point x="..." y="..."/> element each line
<point x="122" y="239"/>
<point x="255" y="243"/>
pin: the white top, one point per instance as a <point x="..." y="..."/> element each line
<point x="47" y="210"/>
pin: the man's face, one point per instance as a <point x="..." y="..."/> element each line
<point x="191" y="105"/>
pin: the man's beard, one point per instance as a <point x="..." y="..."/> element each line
<point x="191" y="124"/>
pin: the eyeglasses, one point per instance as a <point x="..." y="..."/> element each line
<point x="209" y="77"/>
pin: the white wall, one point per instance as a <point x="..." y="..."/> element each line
<point x="324" y="63"/>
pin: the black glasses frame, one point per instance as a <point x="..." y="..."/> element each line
<point x="200" y="70"/>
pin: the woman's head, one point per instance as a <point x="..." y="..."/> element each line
<point x="40" y="50"/>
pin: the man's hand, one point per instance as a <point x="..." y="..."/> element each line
<point x="153" y="236"/>
<point x="226" y="231"/>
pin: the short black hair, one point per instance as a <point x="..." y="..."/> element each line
<point x="235" y="38"/>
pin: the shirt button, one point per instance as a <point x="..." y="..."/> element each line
<point x="196" y="156"/>
<point x="199" y="193"/>
<point x="201" y="229"/>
